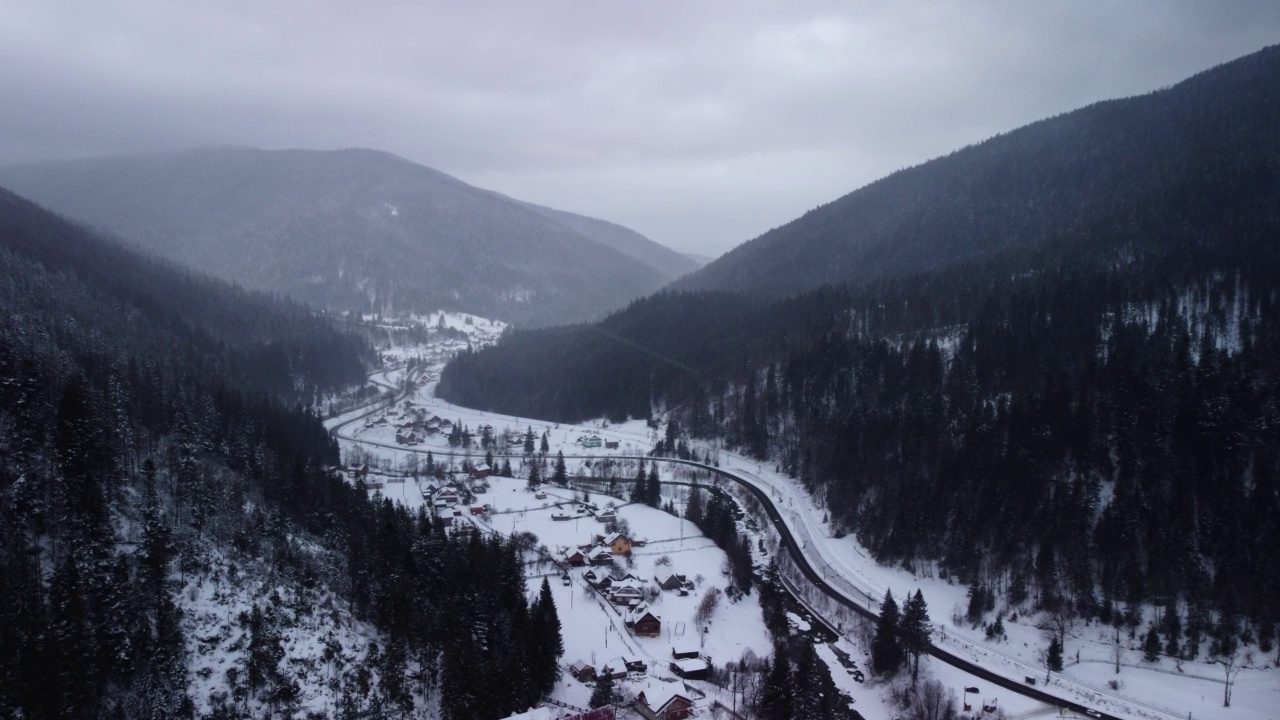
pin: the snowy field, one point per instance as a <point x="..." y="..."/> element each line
<point x="1141" y="690"/>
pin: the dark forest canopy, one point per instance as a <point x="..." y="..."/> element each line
<point x="1085" y="418"/>
<point x="148" y="414"/>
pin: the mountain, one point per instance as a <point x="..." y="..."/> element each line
<point x="356" y="230"/>
<point x="123" y="304"/>
<point x="1047" y="187"/>
<point x="165" y="510"/>
<point x="699" y="260"/>
<point x="1047" y="366"/>
<point x="626" y="241"/>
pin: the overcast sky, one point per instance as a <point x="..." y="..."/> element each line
<point x="699" y="123"/>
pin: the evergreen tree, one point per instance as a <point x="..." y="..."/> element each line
<point x="639" y="489"/>
<point x="604" y="694"/>
<point x="776" y="693"/>
<point x="807" y="697"/>
<point x="1151" y="645"/>
<point x="653" y="488"/>
<point x="528" y="441"/>
<point x="693" y="510"/>
<point x="886" y="651"/>
<point x="545" y="447"/>
<point x="915" y="631"/>
<point x="535" y="477"/>
<point x="561" y="475"/>
<point x="1054" y="661"/>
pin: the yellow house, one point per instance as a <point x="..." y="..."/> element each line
<point x="618" y="543"/>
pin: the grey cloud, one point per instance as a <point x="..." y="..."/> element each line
<point x="699" y="124"/>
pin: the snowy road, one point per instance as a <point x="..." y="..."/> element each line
<point x="803" y="536"/>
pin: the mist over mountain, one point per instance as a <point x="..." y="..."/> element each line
<point x="357" y="230"/>
<point x="1045" y="366"/>
<point x="1034" y="195"/>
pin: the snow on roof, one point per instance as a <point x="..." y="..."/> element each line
<point x="611" y="537"/>
<point x="691" y="665"/>
<point x="657" y="693"/>
<point x="538" y="713"/>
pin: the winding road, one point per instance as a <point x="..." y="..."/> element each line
<point x="797" y="551"/>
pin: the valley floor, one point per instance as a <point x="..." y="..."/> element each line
<point x="1160" y="690"/>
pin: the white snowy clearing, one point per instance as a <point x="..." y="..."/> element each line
<point x="1161" y="690"/>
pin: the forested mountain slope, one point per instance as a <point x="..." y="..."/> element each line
<point x="157" y="467"/>
<point x="355" y="230"/>
<point x="1089" y="425"/>
<point x="1048" y="187"/>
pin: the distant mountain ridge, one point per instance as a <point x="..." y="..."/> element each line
<point x="356" y="230"/>
<point x="1059" y="180"/>
<point x="624" y="240"/>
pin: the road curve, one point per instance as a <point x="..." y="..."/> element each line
<point x="797" y="555"/>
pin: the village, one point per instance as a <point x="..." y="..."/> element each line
<point x="645" y="601"/>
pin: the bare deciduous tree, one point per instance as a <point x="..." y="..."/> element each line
<point x="933" y="701"/>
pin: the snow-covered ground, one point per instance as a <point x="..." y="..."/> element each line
<point x="592" y="628"/>
<point x="1141" y="690"/>
<point x="322" y="642"/>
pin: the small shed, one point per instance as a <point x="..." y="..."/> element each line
<point x="575" y="557"/>
<point x="690" y="669"/>
<point x="583" y="670"/>
<point x="615" y="668"/>
<point x="685" y="652"/>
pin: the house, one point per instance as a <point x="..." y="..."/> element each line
<point x="685" y="652"/>
<point x="662" y="700"/>
<point x="624" y="594"/>
<point x="598" y="555"/>
<point x="616" y="669"/>
<point x="575" y="558"/>
<point x="561" y="516"/>
<point x="670" y="581"/>
<point x="592" y="442"/>
<point x="582" y="670"/>
<point x="611" y="444"/>
<point x="480" y="471"/>
<point x="690" y="669"/>
<point x="617" y="543"/>
<point x="447" y="495"/>
<point x="540" y="495"/>
<point x="591" y="577"/>
<point x="644" y="622"/>
<point x="607" y="516"/>
<point x="479" y="509"/>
